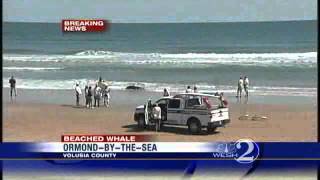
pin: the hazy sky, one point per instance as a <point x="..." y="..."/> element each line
<point x="160" y="10"/>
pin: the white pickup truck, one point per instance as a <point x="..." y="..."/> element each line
<point x="194" y="110"/>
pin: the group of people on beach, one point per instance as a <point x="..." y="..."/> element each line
<point x="189" y="90"/>
<point x="100" y="91"/>
<point x="103" y="92"/>
<point x="223" y="101"/>
<point x="243" y="85"/>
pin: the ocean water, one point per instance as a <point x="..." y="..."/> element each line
<point x="280" y="58"/>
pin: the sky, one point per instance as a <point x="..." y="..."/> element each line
<point x="159" y="11"/>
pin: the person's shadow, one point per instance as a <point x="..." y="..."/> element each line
<point x="244" y="115"/>
<point x="243" y="99"/>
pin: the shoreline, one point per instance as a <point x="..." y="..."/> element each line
<point x="134" y="98"/>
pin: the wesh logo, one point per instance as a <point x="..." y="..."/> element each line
<point x="243" y="151"/>
<point x="84" y="25"/>
<point x="225" y="150"/>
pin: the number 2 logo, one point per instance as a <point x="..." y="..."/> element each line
<point x="247" y="151"/>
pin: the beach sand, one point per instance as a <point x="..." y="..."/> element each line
<point x="45" y="115"/>
<point x="33" y="122"/>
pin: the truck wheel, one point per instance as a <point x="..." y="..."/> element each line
<point x="141" y="122"/>
<point x="211" y="129"/>
<point x="194" y="126"/>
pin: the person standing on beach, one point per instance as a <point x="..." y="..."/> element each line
<point x="90" y="97"/>
<point x="246" y="85"/>
<point x="189" y="90"/>
<point x="94" y="95"/>
<point x="86" y="89"/>
<point x="12" y="82"/>
<point x="156" y="113"/>
<point x="78" y="93"/>
<point x="97" y="95"/>
<point x="223" y="101"/>
<point x="147" y="111"/>
<point x="166" y="92"/>
<point x="106" y="96"/>
<point x="195" y="89"/>
<point x="240" y="87"/>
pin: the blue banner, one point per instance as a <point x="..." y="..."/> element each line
<point x="265" y="157"/>
<point x="266" y="151"/>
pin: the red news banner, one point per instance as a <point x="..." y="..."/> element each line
<point x="106" y="138"/>
<point x="82" y="25"/>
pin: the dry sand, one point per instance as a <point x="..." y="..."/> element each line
<point x="47" y="122"/>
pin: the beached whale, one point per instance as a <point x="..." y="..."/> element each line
<point x="134" y="87"/>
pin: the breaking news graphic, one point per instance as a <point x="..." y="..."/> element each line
<point x="161" y="89"/>
<point x="92" y="25"/>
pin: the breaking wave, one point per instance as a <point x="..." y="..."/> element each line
<point x="256" y="59"/>
<point x="31" y="68"/>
